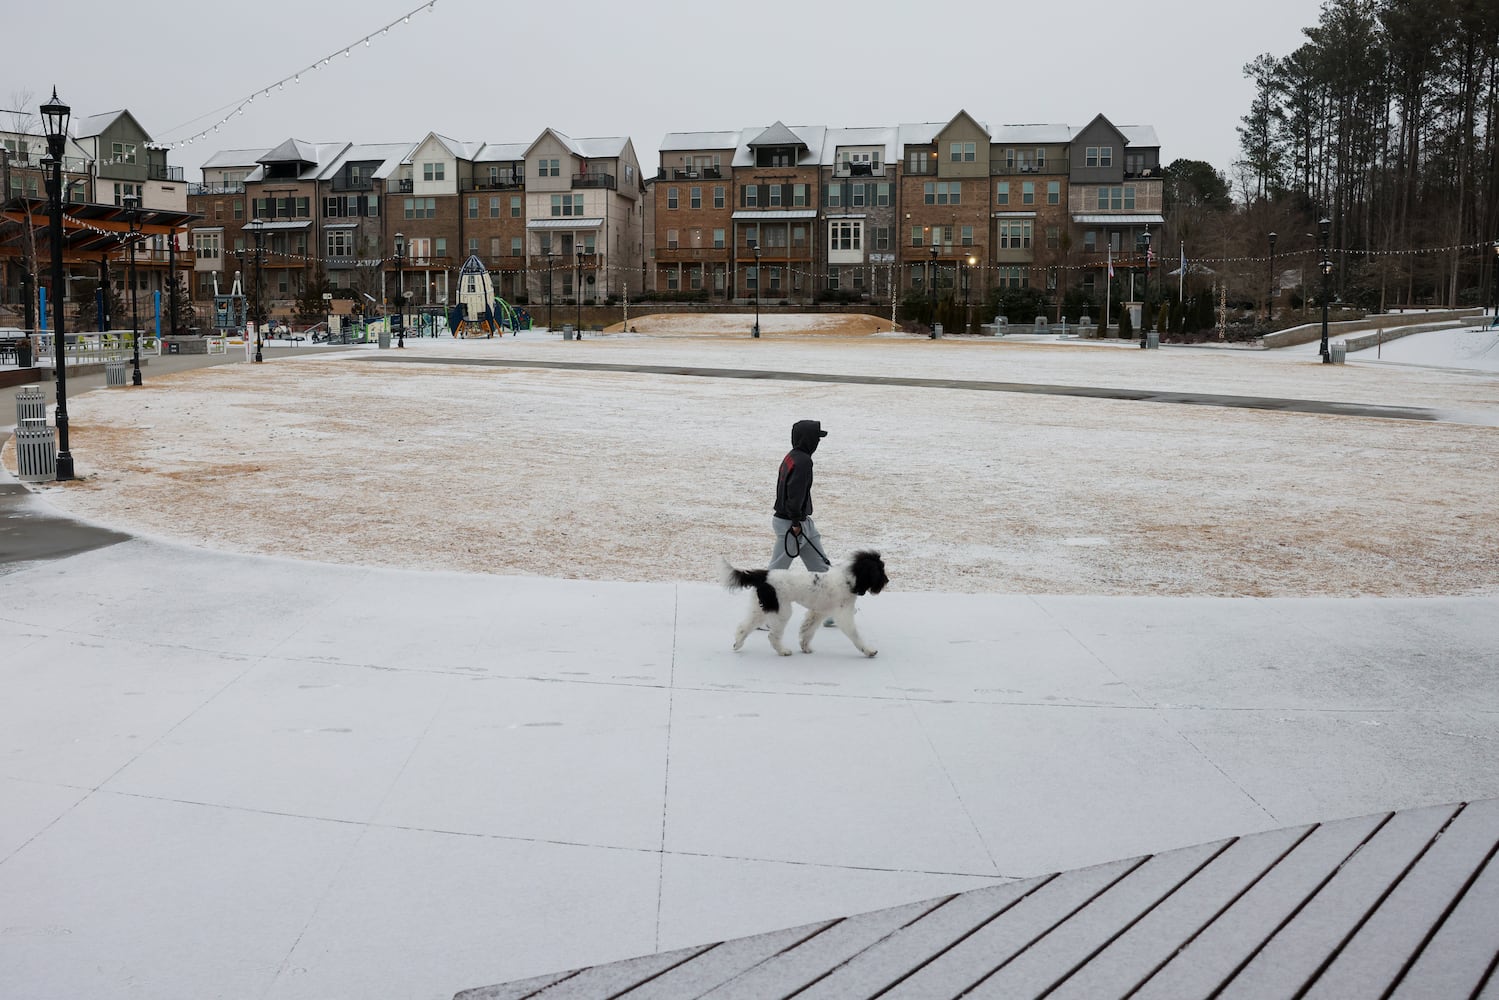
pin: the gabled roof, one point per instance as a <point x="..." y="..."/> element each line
<point x="1110" y="125"/>
<point x="601" y="148"/>
<point x="677" y="141"/>
<point x="1033" y="134"/>
<point x="501" y="152"/>
<point x="291" y="151"/>
<point x="919" y="133"/>
<point x="1140" y="135"/>
<point x="964" y="116"/>
<point x="86" y="128"/>
<point x="838" y="138"/>
<point x="458" y="150"/>
<point x="777" y="135"/>
<point x="389" y="155"/>
<point x="234" y="158"/>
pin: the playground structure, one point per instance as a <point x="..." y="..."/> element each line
<point x="479" y="312"/>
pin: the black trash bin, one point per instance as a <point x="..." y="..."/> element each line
<point x="23" y="352"/>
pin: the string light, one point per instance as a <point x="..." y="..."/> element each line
<point x="238" y="108"/>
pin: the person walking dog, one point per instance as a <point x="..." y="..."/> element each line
<point x="796" y="534"/>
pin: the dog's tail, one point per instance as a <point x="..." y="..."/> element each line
<point x="744" y="579"/>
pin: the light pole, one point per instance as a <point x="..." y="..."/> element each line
<point x="578" y="290"/>
<point x="55" y="116"/>
<point x="133" y="214"/>
<point x="1145" y="291"/>
<point x="932" y="334"/>
<point x="1496" y="286"/>
<point x="258" y="225"/>
<point x="400" y="291"/>
<point x="1325" y="232"/>
<point x="967" y="288"/>
<point x="755" y="331"/>
<point x="550" y="255"/>
<point x="1270" y="299"/>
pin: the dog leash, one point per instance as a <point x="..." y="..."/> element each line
<point x="786" y="545"/>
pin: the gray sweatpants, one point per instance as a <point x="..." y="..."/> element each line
<point x="781" y="559"/>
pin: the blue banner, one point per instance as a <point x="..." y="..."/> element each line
<point x="41" y="294"/>
<point x="156" y="304"/>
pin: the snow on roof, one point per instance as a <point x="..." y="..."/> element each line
<point x="497" y="152"/>
<point x="390" y="155"/>
<point x="234" y="158"/>
<point x="678" y="141"/>
<point x="1140" y="135"/>
<point x="1034" y="133"/>
<point x="85" y="128"/>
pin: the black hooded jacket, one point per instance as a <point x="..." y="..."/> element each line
<point x="794" y="481"/>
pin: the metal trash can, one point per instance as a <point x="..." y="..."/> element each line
<point x="384" y="340"/>
<point x="936" y="331"/>
<point x="567" y="331"/>
<point x="114" y="373"/>
<point x="36" y="452"/>
<point x="30" y="405"/>
<point x="1339" y="351"/>
<point x="1152" y="340"/>
<point x="23" y="353"/>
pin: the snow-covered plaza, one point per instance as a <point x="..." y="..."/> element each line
<point x="414" y="677"/>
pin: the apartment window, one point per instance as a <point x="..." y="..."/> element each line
<point x="442" y="246"/>
<point x="751" y="236"/>
<point x="340" y="243"/>
<point x="858" y="195"/>
<point x="123" y="152"/>
<point x="544" y="243"/>
<point x="206" y="245"/>
<point x="494" y="207"/>
<point x="942" y="192"/>
<point x="1053" y="237"/>
<point x="1013" y="277"/>
<point x="798" y="196"/>
<point x="123" y="191"/>
<point x="962" y="152"/>
<point x="433" y="171"/>
<point x="1040" y="158"/>
<point x="752" y="196"/>
<point x="1002" y="193"/>
<point x="695" y="197"/>
<point x="1099" y="156"/>
<point x="1053" y="192"/>
<point x="966" y="235"/>
<point x="473" y="247"/>
<point x="718" y="239"/>
<point x="882" y="194"/>
<point x="515" y="206"/>
<point x="718" y="195"/>
<point x="549" y="168"/>
<point x="1116" y="198"/>
<point x="671" y="197"/>
<point x="473" y="208"/>
<point x="1015" y="234"/>
<point x="882" y="238"/>
<point x="1027" y="192"/>
<point x="1090" y="241"/>
<point x="775" y="196"/>
<point x="515" y="246"/>
<point x="567" y="205"/>
<point x="845" y="234"/>
<point x="239" y="208"/>
<point x="695" y="277"/>
<point x="751" y="277"/>
<point x="833" y="276"/>
<point x="835" y="196"/>
<point x="798" y="237"/>
<point x="671" y="239"/>
<point x="918" y="236"/>
<point x="494" y="246"/>
<point x="673" y="279"/>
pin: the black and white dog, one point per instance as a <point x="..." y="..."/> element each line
<point x="824" y="595"/>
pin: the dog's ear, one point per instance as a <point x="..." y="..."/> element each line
<point x="869" y="573"/>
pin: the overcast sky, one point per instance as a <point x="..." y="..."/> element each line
<point x="501" y="71"/>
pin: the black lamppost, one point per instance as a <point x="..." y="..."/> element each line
<point x="55" y="116"/>
<point x="133" y="214"/>
<point x="578" y="289"/>
<point x="755" y="331"/>
<point x="550" y="255"/>
<point x="932" y="334"/>
<point x="1270" y="299"/>
<point x="1325" y="230"/>
<point x="172" y="277"/>
<point x="1145" y="290"/>
<point x="400" y="290"/>
<point x="258" y="225"/>
<point x="967" y="288"/>
<point x="1496" y="285"/>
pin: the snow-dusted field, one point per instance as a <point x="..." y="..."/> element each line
<point x="625" y="476"/>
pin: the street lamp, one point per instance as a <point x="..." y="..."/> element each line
<point x="258" y="225"/>
<point x="1145" y="290"/>
<point x="1270" y="299"/>
<point x="1496" y="286"/>
<point x="755" y="332"/>
<point x="932" y="333"/>
<point x="400" y="291"/>
<point x="967" y="287"/>
<point x="1325" y="231"/>
<point x="578" y="290"/>
<point x="55" y="116"/>
<point x="133" y="213"/>
<point x="550" y="255"/>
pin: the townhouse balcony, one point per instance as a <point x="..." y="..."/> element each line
<point x="353" y="184"/>
<point x="236" y="188"/>
<point x="163" y="172"/>
<point x="399" y="185"/>
<point x="1053" y="168"/>
<point x="1144" y="173"/>
<point x="669" y="254"/>
<point x="496" y="184"/>
<point x="594" y="180"/>
<point x="691" y="173"/>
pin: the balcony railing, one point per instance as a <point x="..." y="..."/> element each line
<point x="594" y="180"/>
<point x="1054" y="167"/>
<point x="695" y="173"/>
<point x="163" y="172"/>
<point x="399" y="185"/>
<point x="680" y="253"/>
<point x="237" y="187"/>
<point x="342" y="183"/>
<point x="494" y="184"/>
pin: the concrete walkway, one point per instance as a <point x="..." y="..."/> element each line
<point x="251" y="777"/>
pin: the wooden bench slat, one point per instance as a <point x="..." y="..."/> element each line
<point x="719" y="964"/>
